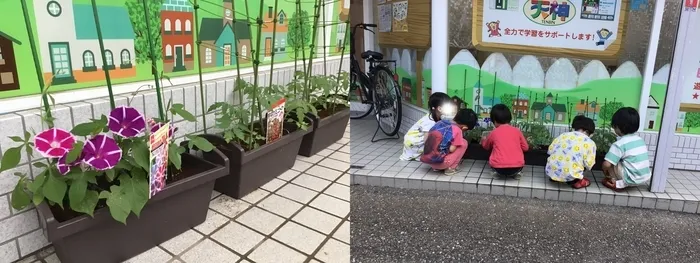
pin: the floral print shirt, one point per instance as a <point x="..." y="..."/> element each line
<point x="414" y="139"/>
<point x="570" y="155"/>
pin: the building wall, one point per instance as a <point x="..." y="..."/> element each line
<point x="78" y="47"/>
<point x="173" y="38"/>
<point x="56" y="29"/>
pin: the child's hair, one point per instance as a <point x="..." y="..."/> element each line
<point x="436" y="100"/>
<point x="500" y="114"/>
<point x="626" y="120"/>
<point x="466" y="117"/>
<point x="460" y="103"/>
<point x="584" y="123"/>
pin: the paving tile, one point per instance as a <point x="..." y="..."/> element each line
<point x="271" y="251"/>
<point x="260" y="220"/>
<point x="339" y="191"/>
<point x="313" y="159"/>
<point x="208" y="251"/>
<point x="311" y="182"/>
<point x="335" y="164"/>
<point x="214" y="220"/>
<point x="323" y="172"/>
<point x="340" y="156"/>
<point x="299" y="237"/>
<point x="538" y="193"/>
<point x="566" y="196"/>
<point x="344" y="179"/>
<point x="331" y="205"/>
<point x="470" y="188"/>
<point x="288" y="175"/>
<point x="676" y="205"/>
<point x="238" y="237"/>
<point x="301" y="166"/>
<point x="621" y="200"/>
<point x="228" y="206"/>
<point x="634" y="201"/>
<point x="181" y="242"/>
<point x="152" y="255"/>
<point x="255" y="196"/>
<point x="214" y="194"/>
<point x="315" y="219"/>
<point x="297" y="193"/>
<point x="343" y="232"/>
<point x="280" y="205"/>
<point x="334" y="251"/>
<point x="273" y="185"/>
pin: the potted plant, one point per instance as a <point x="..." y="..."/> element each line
<point x="330" y="114"/>
<point x="475" y="151"/>
<point x="96" y="189"/>
<point x="603" y="137"/>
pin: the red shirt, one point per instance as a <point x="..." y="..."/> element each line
<point x="508" y="145"/>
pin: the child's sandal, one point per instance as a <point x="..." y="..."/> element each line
<point x="581" y="183"/>
<point x="610" y="184"/>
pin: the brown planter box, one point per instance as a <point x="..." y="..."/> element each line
<point x="179" y="207"/>
<point x="250" y="170"/>
<point x="325" y="132"/>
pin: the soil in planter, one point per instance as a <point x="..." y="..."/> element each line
<point x="173" y="176"/>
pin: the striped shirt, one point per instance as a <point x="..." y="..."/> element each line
<point x="631" y="152"/>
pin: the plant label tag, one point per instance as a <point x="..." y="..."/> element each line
<point x="158" y="145"/>
<point x="275" y="121"/>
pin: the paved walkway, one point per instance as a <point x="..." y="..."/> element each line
<point x="378" y="164"/>
<point x="302" y="216"/>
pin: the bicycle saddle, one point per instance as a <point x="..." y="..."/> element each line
<point x="369" y="54"/>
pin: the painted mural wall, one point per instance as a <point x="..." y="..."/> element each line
<point x="69" y="51"/>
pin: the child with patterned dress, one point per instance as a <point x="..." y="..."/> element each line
<point x="445" y="145"/>
<point x="627" y="161"/>
<point x="506" y="143"/>
<point x="440" y="107"/>
<point x="572" y="153"/>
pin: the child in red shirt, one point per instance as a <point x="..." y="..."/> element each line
<point x="507" y="144"/>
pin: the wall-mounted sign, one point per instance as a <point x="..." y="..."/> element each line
<point x="689" y="71"/>
<point x="569" y="28"/>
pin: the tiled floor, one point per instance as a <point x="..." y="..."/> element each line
<point x="302" y="216"/>
<point x="378" y="164"/>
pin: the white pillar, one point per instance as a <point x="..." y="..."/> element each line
<point x="440" y="51"/>
<point x="650" y="62"/>
<point x="368" y="17"/>
<point x="674" y="95"/>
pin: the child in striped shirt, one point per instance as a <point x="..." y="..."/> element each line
<point x="627" y="161"/>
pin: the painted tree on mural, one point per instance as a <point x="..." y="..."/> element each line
<point x="692" y="120"/>
<point x="607" y="111"/>
<point x="138" y="21"/>
<point x="507" y="99"/>
<point x="299" y="35"/>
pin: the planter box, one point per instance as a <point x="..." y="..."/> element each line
<point x="476" y="152"/>
<point x="534" y="157"/>
<point x="325" y="132"/>
<point x="250" y="170"/>
<point x="179" y="207"/>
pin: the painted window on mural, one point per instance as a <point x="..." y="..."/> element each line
<point x="54" y="8"/>
<point x="281" y="19"/>
<point x="2" y="61"/>
<point x="109" y="58"/>
<point x="207" y="56"/>
<point x="188" y="50"/>
<point x="283" y="45"/>
<point x="168" y="51"/>
<point x="188" y="26"/>
<point x="244" y="51"/>
<point x="60" y="60"/>
<point x="126" y="57"/>
<point x="178" y="26"/>
<point x="88" y="59"/>
<point x="167" y="26"/>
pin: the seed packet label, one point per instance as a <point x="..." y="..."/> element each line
<point x="158" y="145"/>
<point x="275" y="120"/>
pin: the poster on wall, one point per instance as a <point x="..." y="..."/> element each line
<point x="158" y="145"/>
<point x="385" y="17"/>
<point x="577" y="28"/>
<point x="400" y="13"/>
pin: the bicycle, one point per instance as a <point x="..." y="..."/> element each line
<point x="376" y="90"/>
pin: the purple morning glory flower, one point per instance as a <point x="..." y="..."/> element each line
<point x="155" y="126"/>
<point x="126" y="121"/>
<point x="64" y="167"/>
<point x="102" y="153"/>
<point x="54" y="142"/>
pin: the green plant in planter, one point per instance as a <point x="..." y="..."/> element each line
<point x="235" y="120"/>
<point x="475" y="135"/>
<point x="536" y="134"/>
<point x="603" y="137"/>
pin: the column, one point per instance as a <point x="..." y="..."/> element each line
<point x="650" y="61"/>
<point x="440" y="52"/>
<point x="369" y="38"/>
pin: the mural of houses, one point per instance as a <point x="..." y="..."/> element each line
<point x="8" y="63"/>
<point x="488" y="104"/>
<point x="549" y="110"/>
<point x="69" y="46"/>
<point x="590" y="109"/>
<point x="218" y="36"/>
<point x="176" y="19"/>
<point x="279" y="31"/>
<point x="680" y="121"/>
<point x="521" y="104"/>
<point x="342" y="26"/>
<point x="652" y="112"/>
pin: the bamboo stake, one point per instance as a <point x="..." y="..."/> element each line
<point x="37" y="64"/>
<point x="199" y="64"/>
<point x="154" y="65"/>
<point x="256" y="65"/>
<point x="312" y="46"/>
<point x="274" y="37"/>
<point x="105" y="68"/>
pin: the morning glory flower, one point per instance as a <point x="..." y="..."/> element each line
<point x="64" y="167"/>
<point x="155" y="126"/>
<point x="126" y="122"/>
<point x="102" y="153"/>
<point x="54" y="142"/>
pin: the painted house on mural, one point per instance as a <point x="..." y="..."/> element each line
<point x="220" y="36"/>
<point x="9" y="80"/>
<point x="406" y="89"/>
<point x="521" y="104"/>
<point x="652" y="113"/>
<point x="590" y="109"/>
<point x="344" y="7"/>
<point x="279" y="31"/>
<point x="680" y="121"/>
<point x="549" y="110"/>
<point x="176" y="19"/>
<point x="68" y="42"/>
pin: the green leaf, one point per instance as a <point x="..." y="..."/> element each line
<point x="39" y="165"/>
<point x="55" y="189"/>
<point x="200" y="143"/>
<point x="142" y="155"/>
<point x="16" y="139"/>
<point x="20" y="198"/>
<point x="174" y="156"/>
<point x="136" y="191"/>
<point x="215" y="106"/>
<point x="38" y="197"/>
<point x="27" y="135"/>
<point x="10" y="159"/>
<point x="111" y="174"/>
<point x="104" y="194"/>
<point x="38" y="182"/>
<point x="179" y="109"/>
<point x="77" y="191"/>
<point x="84" y="129"/>
<point x="73" y="154"/>
<point x="118" y="203"/>
<point x="88" y="204"/>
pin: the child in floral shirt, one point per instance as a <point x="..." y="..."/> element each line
<point x="571" y="153"/>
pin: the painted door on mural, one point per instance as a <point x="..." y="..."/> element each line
<point x="179" y="58"/>
<point x="8" y="66"/>
<point x="227" y="54"/>
<point x="268" y="46"/>
<point x="60" y="63"/>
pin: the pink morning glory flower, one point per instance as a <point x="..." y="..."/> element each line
<point x="126" y="122"/>
<point x="155" y="126"/>
<point x="64" y="167"/>
<point x="102" y="153"/>
<point x="54" y="142"/>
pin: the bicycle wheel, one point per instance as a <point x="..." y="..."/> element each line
<point x="358" y="109"/>
<point x="387" y="101"/>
